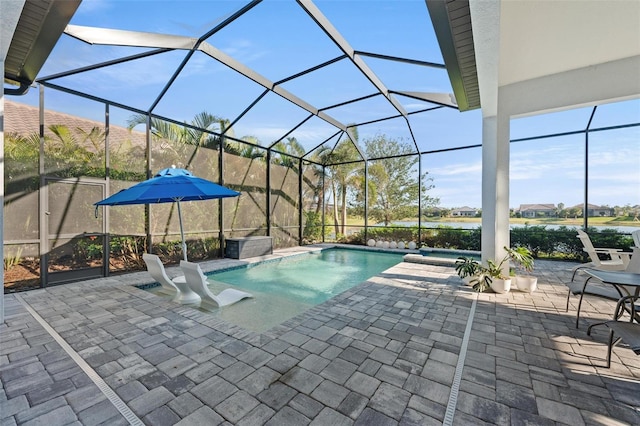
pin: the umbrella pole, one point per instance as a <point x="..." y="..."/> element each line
<point x="184" y="244"/>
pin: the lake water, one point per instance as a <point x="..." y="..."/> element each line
<point x="467" y="225"/>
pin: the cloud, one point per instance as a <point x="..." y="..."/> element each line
<point x="243" y="50"/>
<point x="460" y="169"/>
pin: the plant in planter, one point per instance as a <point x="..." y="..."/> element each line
<point x="491" y="276"/>
<point x="523" y="260"/>
<point x="467" y="268"/>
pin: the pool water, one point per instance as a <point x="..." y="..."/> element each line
<point x="312" y="278"/>
<point x="285" y="288"/>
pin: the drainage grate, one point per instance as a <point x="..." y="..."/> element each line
<point x="455" y="386"/>
<point x="102" y="385"/>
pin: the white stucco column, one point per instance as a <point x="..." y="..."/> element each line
<point x="495" y="186"/>
<point x="502" y="237"/>
<point x="489" y="167"/>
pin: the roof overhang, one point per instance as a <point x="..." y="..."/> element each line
<point x="541" y="57"/>
<point x="452" y="24"/>
<point x="38" y="29"/>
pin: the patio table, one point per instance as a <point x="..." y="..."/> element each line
<point x="627" y="284"/>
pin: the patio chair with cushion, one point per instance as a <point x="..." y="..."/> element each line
<point x="197" y="281"/>
<point x="176" y="287"/>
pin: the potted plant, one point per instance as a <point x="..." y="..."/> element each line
<point x="523" y="260"/>
<point x="483" y="277"/>
<point x="491" y="276"/>
<point x="467" y="268"/>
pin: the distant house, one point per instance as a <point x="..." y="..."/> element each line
<point x="537" y="210"/>
<point x="464" y="212"/>
<point x="594" y="210"/>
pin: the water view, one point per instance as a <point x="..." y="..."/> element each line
<point x="473" y="225"/>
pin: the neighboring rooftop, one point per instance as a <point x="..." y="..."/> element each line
<point x="23" y="119"/>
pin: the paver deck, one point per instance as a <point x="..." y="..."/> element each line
<point x="387" y="352"/>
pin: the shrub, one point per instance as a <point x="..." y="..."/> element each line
<point x="313" y="226"/>
<point x="541" y="241"/>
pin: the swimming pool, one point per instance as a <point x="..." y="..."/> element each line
<point x="287" y="287"/>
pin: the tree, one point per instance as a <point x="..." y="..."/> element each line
<point x="180" y="138"/>
<point x="318" y="191"/>
<point x="444" y="212"/>
<point x="342" y="176"/>
<point x="575" y="212"/>
<point x="393" y="187"/>
<point x="288" y="153"/>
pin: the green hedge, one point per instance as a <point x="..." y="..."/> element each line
<point x="556" y="243"/>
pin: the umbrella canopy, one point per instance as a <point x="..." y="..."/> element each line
<point x="169" y="186"/>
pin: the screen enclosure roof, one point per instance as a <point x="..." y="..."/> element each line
<point x="273" y="71"/>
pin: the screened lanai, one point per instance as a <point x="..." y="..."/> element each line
<point x="337" y="121"/>
<point x="317" y="112"/>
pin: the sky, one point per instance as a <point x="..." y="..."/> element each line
<point x="277" y="39"/>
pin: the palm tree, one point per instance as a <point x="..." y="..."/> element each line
<point x="343" y="176"/>
<point x="21" y="154"/>
<point x="319" y="193"/>
<point x="95" y="136"/>
<point x="65" y="144"/>
<point x="159" y="128"/>
<point x="253" y="152"/>
<point x="287" y="156"/>
<point x="287" y="151"/>
<point x="198" y="134"/>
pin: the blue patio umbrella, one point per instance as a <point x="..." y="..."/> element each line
<point x="169" y="186"/>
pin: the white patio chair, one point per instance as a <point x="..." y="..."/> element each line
<point x="197" y="281"/>
<point x="176" y="287"/>
<point x="618" y="259"/>
<point x="636" y="238"/>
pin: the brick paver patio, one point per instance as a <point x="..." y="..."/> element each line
<point x="386" y="352"/>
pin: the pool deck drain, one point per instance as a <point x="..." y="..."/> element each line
<point x="385" y="352"/>
<point x="457" y="376"/>
<point x="90" y="372"/>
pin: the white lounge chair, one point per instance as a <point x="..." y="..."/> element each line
<point x="176" y="287"/>
<point x="618" y="259"/>
<point x="197" y="281"/>
<point x="636" y="238"/>
<point x="634" y="263"/>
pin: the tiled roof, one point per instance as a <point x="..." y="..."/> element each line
<point x="524" y="207"/>
<point x="23" y="119"/>
<point x="590" y="206"/>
